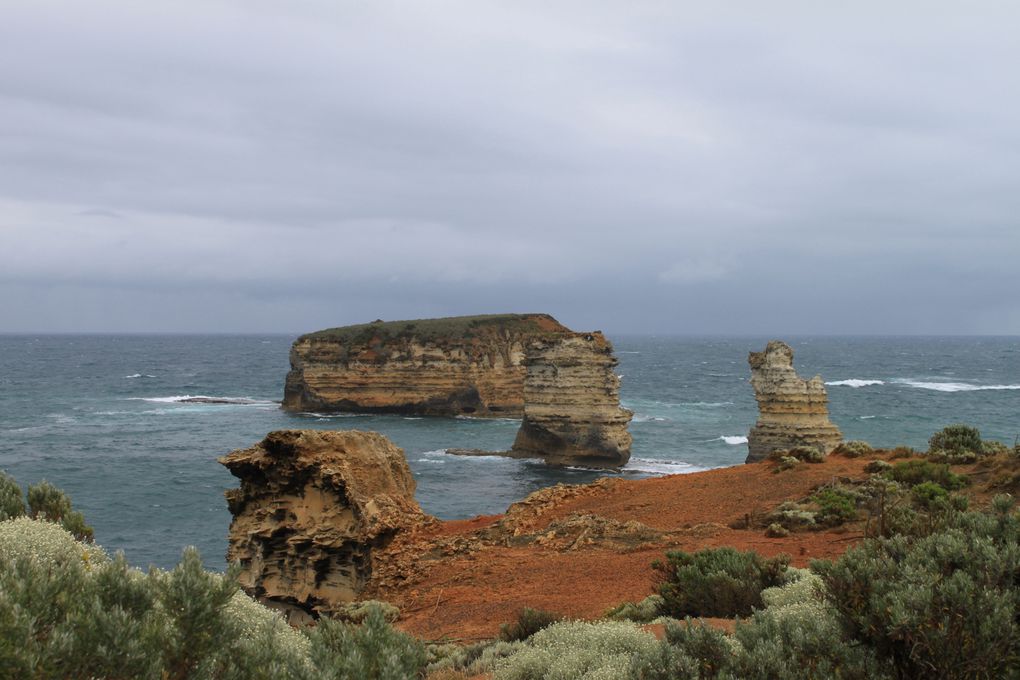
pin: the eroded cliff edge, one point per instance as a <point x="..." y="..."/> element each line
<point x="312" y="511"/>
<point x="792" y="411"/>
<point x="472" y="365"/>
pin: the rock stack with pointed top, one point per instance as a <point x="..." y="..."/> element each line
<point x="793" y="411"/>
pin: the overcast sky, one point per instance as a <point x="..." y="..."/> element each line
<point x="636" y="167"/>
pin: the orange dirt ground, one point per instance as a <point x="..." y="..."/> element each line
<point x="580" y="550"/>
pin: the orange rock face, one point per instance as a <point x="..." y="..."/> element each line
<point x="453" y="366"/>
<point x="793" y="411"/>
<point x="572" y="413"/>
<point x="313" y="509"/>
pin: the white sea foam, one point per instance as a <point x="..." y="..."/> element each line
<point x="855" y="382"/>
<point x="654" y="466"/>
<point x="954" y="386"/>
<point x="734" y="440"/>
<point x="621" y="351"/>
<point x="866" y="417"/>
<point x="187" y="398"/>
<point x="642" y="418"/>
<point x="139" y="375"/>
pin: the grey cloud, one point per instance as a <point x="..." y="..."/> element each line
<point x="636" y="167"/>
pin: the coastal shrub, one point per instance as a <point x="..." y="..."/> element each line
<point x="469" y="660"/>
<point x="792" y="517"/>
<point x="929" y="494"/>
<point x="717" y="582"/>
<point x="357" y="612"/>
<point x="902" y="452"/>
<point x="67" y="610"/>
<point x="11" y="502"/>
<point x="836" y="506"/>
<point x="854" y="448"/>
<point x="942" y="605"/>
<point x="645" y="611"/>
<point x="786" y="463"/>
<point x="578" y="650"/>
<point x="776" y="530"/>
<point x="797" y="635"/>
<point x="45" y="501"/>
<point x="914" y="472"/>
<point x="529" y="621"/>
<point x="990" y="447"/>
<point x="956" y="439"/>
<point x="877" y="466"/>
<point x="807" y="454"/>
<point x="371" y="651"/>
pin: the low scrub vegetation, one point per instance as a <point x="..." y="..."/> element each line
<point x="529" y="621"/>
<point x="717" y="582"/>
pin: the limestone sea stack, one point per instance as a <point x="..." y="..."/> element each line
<point x="572" y="413"/>
<point x="792" y="411"/>
<point x="467" y="365"/>
<point x="312" y="510"/>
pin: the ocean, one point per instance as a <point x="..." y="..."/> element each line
<point x="100" y="416"/>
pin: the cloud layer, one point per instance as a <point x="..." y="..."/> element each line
<point x="636" y="167"/>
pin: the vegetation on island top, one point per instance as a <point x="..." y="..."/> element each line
<point x="452" y="327"/>
<point x="932" y="593"/>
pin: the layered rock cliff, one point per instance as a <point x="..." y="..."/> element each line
<point x="572" y="412"/>
<point x="313" y="509"/>
<point x="458" y="365"/>
<point x="793" y="411"/>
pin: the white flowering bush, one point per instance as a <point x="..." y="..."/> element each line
<point x="578" y="650"/>
<point x="67" y="610"/>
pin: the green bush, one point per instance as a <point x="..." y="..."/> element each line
<point x="529" y="621"/>
<point x="69" y="611"/>
<point x="877" y="466"/>
<point x="373" y="651"/>
<point x="836" y="506"/>
<point x="578" y="650"/>
<point x="470" y="660"/>
<point x="11" y="502"/>
<point x="717" y="582"/>
<point x="854" y="449"/>
<point x="929" y="494"/>
<point x="645" y="611"/>
<point x="914" y="472"/>
<point x="956" y="439"/>
<point x="796" y="636"/>
<point x="938" y="606"/>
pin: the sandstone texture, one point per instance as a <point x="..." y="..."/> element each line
<point x="471" y="365"/>
<point x="793" y="411"/>
<point x="572" y="413"/>
<point x="312" y="511"/>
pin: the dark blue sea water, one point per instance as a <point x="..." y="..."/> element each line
<point x="97" y="416"/>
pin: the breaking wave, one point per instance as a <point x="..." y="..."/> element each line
<point x="855" y="382"/>
<point x="733" y="440"/>
<point x="954" y="386"/>
<point x="654" y="466"/>
<point x="139" y="375"/>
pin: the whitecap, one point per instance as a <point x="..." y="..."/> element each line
<point x="139" y="375"/>
<point x="865" y="417"/>
<point x="954" y="386"/>
<point x="734" y="440"/>
<point x="412" y="418"/>
<point x="855" y="382"/>
<point x="217" y="401"/>
<point x="655" y="466"/>
<point x="642" y="418"/>
<point x="621" y="351"/>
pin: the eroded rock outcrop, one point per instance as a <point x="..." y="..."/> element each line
<point x="312" y="510"/>
<point x="459" y="365"/>
<point x="572" y="413"/>
<point x="793" y="411"/>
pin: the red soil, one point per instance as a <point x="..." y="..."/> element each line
<point x="460" y="580"/>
